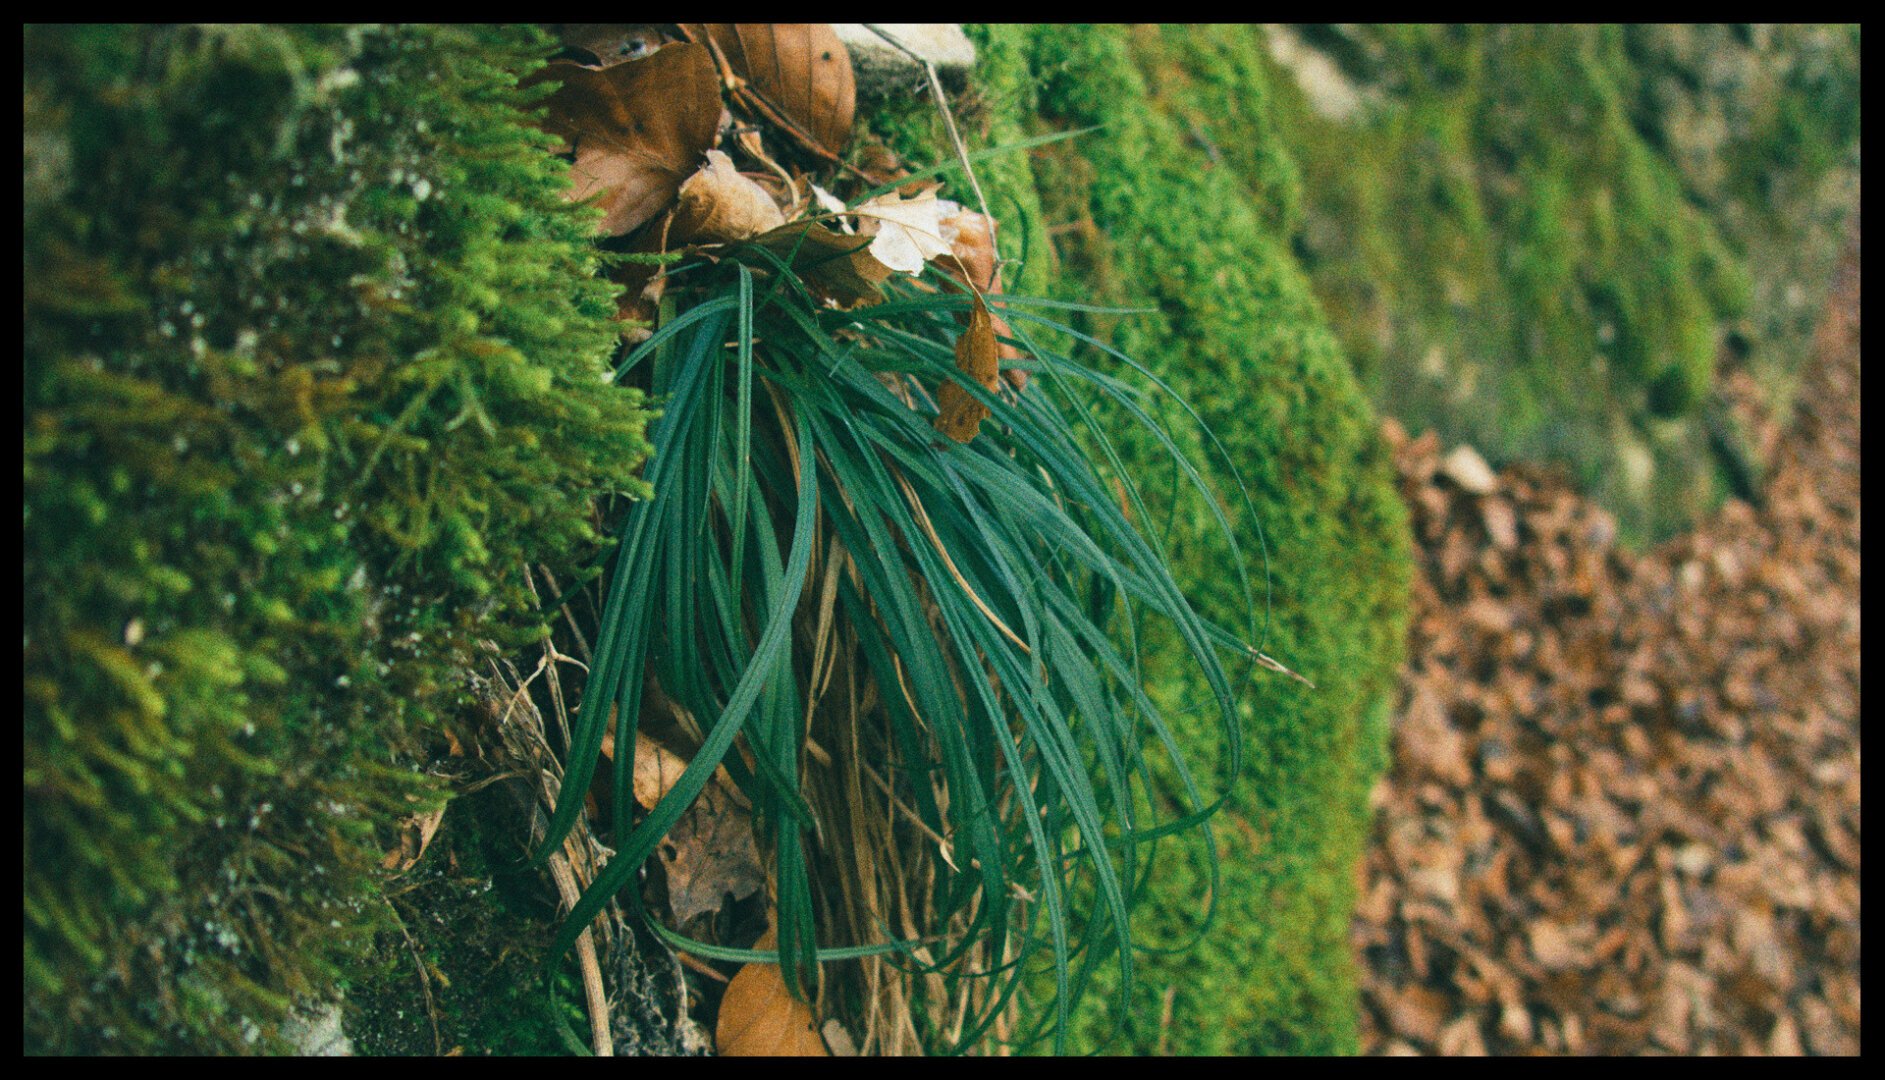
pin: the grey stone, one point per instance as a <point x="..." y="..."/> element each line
<point x="883" y="69"/>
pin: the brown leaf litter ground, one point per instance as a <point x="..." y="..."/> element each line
<point x="1623" y="814"/>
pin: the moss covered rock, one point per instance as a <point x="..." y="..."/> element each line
<point x="313" y="363"/>
<point x="1145" y="212"/>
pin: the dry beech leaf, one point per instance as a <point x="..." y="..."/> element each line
<point x="656" y="770"/>
<point x="801" y="70"/>
<point x="971" y="238"/>
<point x="837" y="267"/>
<point x="718" y="205"/>
<point x="656" y="766"/>
<point x="759" y="1018"/>
<point x="609" y="44"/>
<point x="959" y="415"/>
<point x="710" y="853"/>
<point x="638" y="129"/>
<point x="906" y="233"/>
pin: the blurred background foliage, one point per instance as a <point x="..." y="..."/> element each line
<point x="1542" y="239"/>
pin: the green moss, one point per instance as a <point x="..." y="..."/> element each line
<point x="1149" y="210"/>
<point x="313" y="362"/>
<point x="1536" y="239"/>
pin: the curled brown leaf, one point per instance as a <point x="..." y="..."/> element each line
<point x="718" y="205"/>
<point x="973" y="259"/>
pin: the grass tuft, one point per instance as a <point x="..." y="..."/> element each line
<point x="918" y="659"/>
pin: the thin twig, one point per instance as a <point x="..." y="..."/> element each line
<point x="586" y="957"/>
<point x="1273" y="665"/>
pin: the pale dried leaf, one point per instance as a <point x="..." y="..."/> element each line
<point x="906" y="233"/>
<point x="718" y="205"/>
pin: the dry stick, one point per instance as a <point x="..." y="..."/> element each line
<point x="596" y="1000"/>
<point x="1165" y="1020"/>
<point x="586" y="957"/>
<point x="949" y="121"/>
<point x="582" y="643"/>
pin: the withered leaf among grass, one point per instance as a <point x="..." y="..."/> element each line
<point x="959" y="415"/>
<point x="710" y="854"/>
<point x="800" y="69"/>
<point x="906" y="233"/>
<point x="837" y="267"/>
<point x="972" y="259"/>
<point x="718" y="204"/>
<point x="638" y="129"/>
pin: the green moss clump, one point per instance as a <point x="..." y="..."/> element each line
<point x="313" y="362"/>
<point x="1149" y="210"/>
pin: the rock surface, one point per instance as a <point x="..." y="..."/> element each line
<point x="883" y="69"/>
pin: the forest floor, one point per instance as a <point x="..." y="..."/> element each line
<point x="1623" y="810"/>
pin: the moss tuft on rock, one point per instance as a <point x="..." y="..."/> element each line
<point x="314" y="362"/>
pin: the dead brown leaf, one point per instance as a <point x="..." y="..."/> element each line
<point x="710" y="855"/>
<point x="718" y="205"/>
<point x="760" y="1018"/>
<point x="609" y="44"/>
<point x="710" y="852"/>
<point x="800" y="72"/>
<point x="638" y="129"/>
<point x="836" y="267"/>
<point x="959" y="415"/>
<point x="973" y="260"/>
<point x="415" y="835"/>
